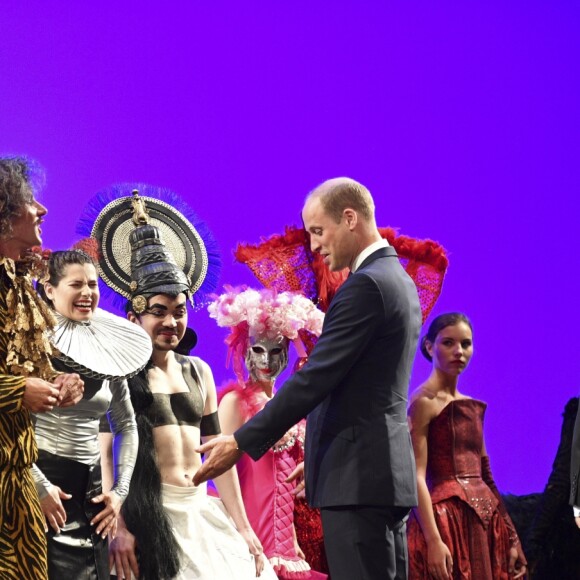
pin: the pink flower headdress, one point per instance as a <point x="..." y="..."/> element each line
<point x="263" y="314"/>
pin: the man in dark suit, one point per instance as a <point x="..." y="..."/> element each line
<point x="359" y="466"/>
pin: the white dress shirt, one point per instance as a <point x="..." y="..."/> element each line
<point x="367" y="252"/>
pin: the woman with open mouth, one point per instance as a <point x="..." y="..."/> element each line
<point x="104" y="349"/>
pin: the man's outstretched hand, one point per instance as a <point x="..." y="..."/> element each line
<point x="222" y="453"/>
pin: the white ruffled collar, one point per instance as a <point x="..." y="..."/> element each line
<point x="106" y="347"/>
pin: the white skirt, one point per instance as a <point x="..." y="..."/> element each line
<point x="211" y="547"/>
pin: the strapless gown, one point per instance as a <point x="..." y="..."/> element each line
<point x="466" y="510"/>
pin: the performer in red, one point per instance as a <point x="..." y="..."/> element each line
<point x="461" y="528"/>
<point x="262" y="323"/>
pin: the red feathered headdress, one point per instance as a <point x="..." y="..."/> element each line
<point x="285" y="262"/>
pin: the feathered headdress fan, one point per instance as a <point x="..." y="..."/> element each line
<point x="150" y="242"/>
<point x="285" y="262"/>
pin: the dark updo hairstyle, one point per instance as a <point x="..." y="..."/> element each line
<point x="442" y="321"/>
<point x="57" y="264"/>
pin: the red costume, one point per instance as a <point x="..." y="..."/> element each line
<point x="267" y="497"/>
<point x="468" y="511"/>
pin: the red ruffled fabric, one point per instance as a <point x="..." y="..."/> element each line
<point x="310" y="536"/>
<point x="478" y="552"/>
<point x="285" y="262"/>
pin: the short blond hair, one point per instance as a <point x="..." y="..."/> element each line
<point x="336" y="195"/>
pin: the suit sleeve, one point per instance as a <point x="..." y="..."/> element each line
<point x="349" y="326"/>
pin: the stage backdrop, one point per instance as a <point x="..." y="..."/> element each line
<point x="461" y="118"/>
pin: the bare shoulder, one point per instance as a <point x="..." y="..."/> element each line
<point x="423" y="395"/>
<point x="232" y="398"/>
<point x="200" y="363"/>
<point x="230" y="413"/>
<point x="203" y="369"/>
<point x="425" y="405"/>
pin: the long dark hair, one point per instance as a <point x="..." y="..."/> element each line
<point x="143" y="512"/>
<point x="442" y="321"/>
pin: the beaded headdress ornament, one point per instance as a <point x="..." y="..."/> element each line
<point x="150" y="242"/>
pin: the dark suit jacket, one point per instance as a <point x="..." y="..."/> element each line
<point x="354" y="390"/>
<point x="575" y="463"/>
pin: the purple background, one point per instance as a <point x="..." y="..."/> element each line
<point x="462" y="119"/>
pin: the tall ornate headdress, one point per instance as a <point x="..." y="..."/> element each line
<point x="150" y="242"/>
<point x="264" y="314"/>
<point x="285" y="263"/>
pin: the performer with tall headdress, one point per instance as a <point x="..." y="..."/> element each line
<point x="262" y="324"/>
<point x="155" y="257"/>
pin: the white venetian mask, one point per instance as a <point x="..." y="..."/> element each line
<point x="266" y="358"/>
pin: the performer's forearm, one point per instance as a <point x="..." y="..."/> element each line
<point x="228" y="487"/>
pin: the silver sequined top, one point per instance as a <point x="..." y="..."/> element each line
<point x="72" y="432"/>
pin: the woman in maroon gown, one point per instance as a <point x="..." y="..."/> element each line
<point x="461" y="529"/>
